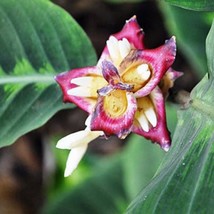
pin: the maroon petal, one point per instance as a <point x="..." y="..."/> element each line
<point x="114" y="113"/>
<point x="174" y="74"/>
<point x="64" y="80"/>
<point x="105" y="90"/>
<point x="132" y="32"/>
<point x="158" y="134"/>
<point x="110" y="72"/>
<point x="167" y="81"/>
<point x="111" y="75"/>
<point x="160" y="60"/>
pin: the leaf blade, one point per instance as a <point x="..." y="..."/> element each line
<point x="184" y="184"/>
<point x="94" y="195"/>
<point x="190" y="29"/>
<point x="38" y="40"/>
<point x="199" y="5"/>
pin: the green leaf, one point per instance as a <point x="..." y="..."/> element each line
<point x="190" y="29"/>
<point x="59" y="184"/>
<point x="201" y="5"/>
<point x="37" y="40"/>
<point x="209" y="52"/>
<point x="184" y="184"/>
<point x="141" y="158"/>
<point x="137" y="172"/>
<point x="102" y="193"/>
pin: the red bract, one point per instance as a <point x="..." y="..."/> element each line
<point x="125" y="92"/>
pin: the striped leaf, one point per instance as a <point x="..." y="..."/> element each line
<point x="37" y="40"/>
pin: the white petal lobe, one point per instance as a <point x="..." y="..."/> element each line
<point x="143" y="122"/>
<point x="74" y="158"/>
<point x="88" y="122"/>
<point x="143" y="71"/>
<point x="77" y="139"/>
<point x="124" y="47"/>
<point x="113" y="47"/>
<point x="149" y="111"/>
<point x="151" y="116"/>
<point x="73" y="140"/>
<point x="82" y="81"/>
<point x="79" y="91"/>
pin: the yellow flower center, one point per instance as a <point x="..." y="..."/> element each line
<point x="115" y="103"/>
<point x="124" y="57"/>
<point x="97" y="83"/>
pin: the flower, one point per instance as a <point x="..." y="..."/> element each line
<point x="125" y="92"/>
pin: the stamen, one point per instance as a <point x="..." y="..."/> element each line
<point x="143" y="121"/>
<point x="143" y="71"/>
